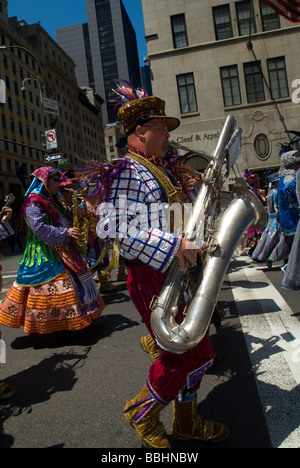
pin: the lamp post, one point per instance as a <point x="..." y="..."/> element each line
<point x="38" y="76"/>
<point x="5" y="47"/>
<point x="38" y="80"/>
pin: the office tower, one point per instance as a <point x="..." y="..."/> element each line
<point x="35" y="74"/>
<point x="103" y="49"/>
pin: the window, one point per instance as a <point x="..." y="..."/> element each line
<point x="230" y="86"/>
<point x="254" y="82"/>
<point x="187" y="93"/>
<point x="179" y="31"/>
<point x="262" y="146"/>
<point x="278" y="78"/>
<point x="8" y="165"/>
<point x="245" y="18"/>
<point x="269" y="18"/>
<point x="222" y="22"/>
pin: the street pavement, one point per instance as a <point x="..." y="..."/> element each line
<point x="70" y="391"/>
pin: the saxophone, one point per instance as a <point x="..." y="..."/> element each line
<point x="80" y="220"/>
<point x="245" y="210"/>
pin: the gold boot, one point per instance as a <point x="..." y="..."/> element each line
<point x="188" y="424"/>
<point x="6" y="390"/>
<point x="121" y="271"/>
<point x="149" y="346"/>
<point x="105" y="283"/>
<point x="143" y="414"/>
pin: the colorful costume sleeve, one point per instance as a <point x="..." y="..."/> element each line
<point x="288" y="204"/>
<point x="5" y="230"/>
<point x="49" y="234"/>
<point x="134" y="214"/>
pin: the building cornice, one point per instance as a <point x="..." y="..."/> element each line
<point x="223" y="43"/>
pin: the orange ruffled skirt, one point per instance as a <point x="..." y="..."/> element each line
<point x="47" y="308"/>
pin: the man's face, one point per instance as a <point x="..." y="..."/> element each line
<point x="156" y="137"/>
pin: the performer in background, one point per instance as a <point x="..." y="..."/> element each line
<point x="271" y="235"/>
<point x="287" y="196"/>
<point x="253" y="183"/>
<point x="289" y="212"/>
<point x="6" y="390"/>
<point x="147" y="178"/>
<point x="53" y="292"/>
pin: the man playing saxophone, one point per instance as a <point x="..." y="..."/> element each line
<point x="147" y="177"/>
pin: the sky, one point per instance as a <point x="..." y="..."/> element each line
<point x="61" y="13"/>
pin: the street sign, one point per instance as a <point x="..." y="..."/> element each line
<point x="50" y="106"/>
<point x="52" y="157"/>
<point x="64" y="161"/>
<point x="51" y="139"/>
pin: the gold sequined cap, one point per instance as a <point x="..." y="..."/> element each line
<point x="149" y="107"/>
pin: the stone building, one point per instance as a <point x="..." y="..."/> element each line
<point x="211" y="58"/>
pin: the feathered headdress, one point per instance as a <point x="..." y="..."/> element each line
<point x="289" y="158"/>
<point x="127" y="92"/>
<point x="138" y="108"/>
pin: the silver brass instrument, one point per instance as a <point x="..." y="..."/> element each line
<point x="191" y="152"/>
<point x="245" y="210"/>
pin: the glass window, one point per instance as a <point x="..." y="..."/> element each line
<point x="269" y="18"/>
<point x="8" y="165"/>
<point x="278" y="77"/>
<point x="254" y="82"/>
<point x="179" y="31"/>
<point x="187" y="93"/>
<point x="245" y="18"/>
<point x="230" y="86"/>
<point x="222" y="22"/>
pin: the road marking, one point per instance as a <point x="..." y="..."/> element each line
<point x="272" y="335"/>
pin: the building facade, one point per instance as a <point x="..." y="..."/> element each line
<point x="33" y="68"/>
<point x="213" y="58"/>
<point x="103" y="49"/>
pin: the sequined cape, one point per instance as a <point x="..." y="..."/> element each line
<point x="45" y="226"/>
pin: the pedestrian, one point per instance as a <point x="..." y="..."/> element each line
<point x="54" y="291"/>
<point x="146" y="178"/>
<point x="271" y="235"/>
<point x="6" y="390"/>
<point x="287" y="196"/>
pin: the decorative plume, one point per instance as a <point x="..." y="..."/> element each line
<point x="100" y="174"/>
<point x="127" y="92"/>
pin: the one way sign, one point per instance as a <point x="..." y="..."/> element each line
<point x="52" y="157"/>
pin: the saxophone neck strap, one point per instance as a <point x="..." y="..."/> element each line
<point x="170" y="193"/>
